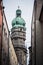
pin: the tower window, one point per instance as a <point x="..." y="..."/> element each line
<point x="20" y="29"/>
<point x="16" y="22"/>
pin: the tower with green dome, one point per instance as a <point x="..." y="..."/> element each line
<point x="18" y="36"/>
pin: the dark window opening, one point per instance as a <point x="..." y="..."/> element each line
<point x="20" y="29"/>
<point x="16" y="22"/>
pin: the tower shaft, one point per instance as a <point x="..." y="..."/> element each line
<point x="18" y="35"/>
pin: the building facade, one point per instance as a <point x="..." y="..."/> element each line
<point x="18" y="36"/>
<point x="1" y="29"/>
<point x="37" y="33"/>
<point x="5" y="41"/>
<point x="12" y="55"/>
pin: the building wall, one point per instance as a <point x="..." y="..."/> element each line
<point x="37" y="34"/>
<point x="12" y="55"/>
<point x="5" y="42"/>
<point x="39" y="40"/>
<point x="0" y="28"/>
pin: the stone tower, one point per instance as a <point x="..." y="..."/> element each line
<point x="18" y="36"/>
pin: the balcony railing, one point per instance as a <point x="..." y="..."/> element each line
<point x="14" y="35"/>
<point x="18" y="29"/>
<point x="21" y="46"/>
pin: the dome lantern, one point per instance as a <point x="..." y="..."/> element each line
<point x="18" y="12"/>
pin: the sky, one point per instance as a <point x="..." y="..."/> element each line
<point x="26" y="7"/>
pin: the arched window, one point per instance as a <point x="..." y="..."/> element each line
<point x="16" y="22"/>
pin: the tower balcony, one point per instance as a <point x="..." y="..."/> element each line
<point x="18" y="35"/>
<point x="21" y="47"/>
<point x="18" y="29"/>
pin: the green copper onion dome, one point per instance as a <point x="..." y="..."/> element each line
<point x="18" y="21"/>
<point x="18" y="12"/>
